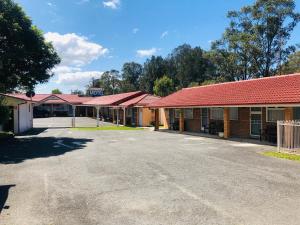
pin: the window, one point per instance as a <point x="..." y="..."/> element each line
<point x="274" y="114"/>
<point x="256" y="109"/>
<point x="297" y="113"/>
<point x="234" y="113"/>
<point x="216" y="114"/>
<point x="129" y="112"/>
<point x="177" y="113"/>
<point x="188" y="113"/>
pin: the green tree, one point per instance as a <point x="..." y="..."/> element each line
<point x="56" y="91"/>
<point x="131" y="73"/>
<point x="187" y="64"/>
<point x="154" y="68"/>
<point x="4" y="112"/>
<point x="163" y="86"/>
<point x="292" y="65"/>
<point x="256" y="39"/>
<point x="25" y="58"/>
<point x="110" y="82"/>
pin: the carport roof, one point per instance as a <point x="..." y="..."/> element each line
<point x="277" y="90"/>
<point x="53" y="98"/>
<point x="113" y="100"/>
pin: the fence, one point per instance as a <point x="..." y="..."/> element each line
<point x="288" y="135"/>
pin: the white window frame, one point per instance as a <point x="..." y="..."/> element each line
<point x="234" y="116"/>
<point x="273" y="109"/>
<point x="212" y="113"/>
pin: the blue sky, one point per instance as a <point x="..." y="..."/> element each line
<point x="93" y="36"/>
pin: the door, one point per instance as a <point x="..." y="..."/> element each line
<point x="140" y="117"/>
<point x="204" y="119"/>
<point x="255" y="122"/>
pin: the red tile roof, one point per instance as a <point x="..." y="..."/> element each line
<point x="53" y="98"/>
<point x="277" y="90"/>
<point x="148" y="100"/>
<point x="141" y="101"/>
<point x="133" y="101"/>
<point x="112" y="100"/>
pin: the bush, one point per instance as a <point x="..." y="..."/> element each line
<point x="4" y="114"/>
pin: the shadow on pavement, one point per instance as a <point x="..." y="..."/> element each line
<point x="20" y="149"/>
<point x="4" y="189"/>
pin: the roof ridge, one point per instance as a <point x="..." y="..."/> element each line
<point x="244" y="81"/>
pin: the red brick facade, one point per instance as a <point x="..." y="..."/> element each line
<point x="238" y="128"/>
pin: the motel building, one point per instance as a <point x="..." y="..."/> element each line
<point x="243" y="109"/>
<point x="122" y="109"/>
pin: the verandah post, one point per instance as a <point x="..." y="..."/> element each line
<point x="226" y="122"/>
<point x="181" y="120"/>
<point x="156" y="115"/>
<point x="124" y="116"/>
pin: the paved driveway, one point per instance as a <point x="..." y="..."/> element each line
<point x="60" y="122"/>
<point x="143" y="177"/>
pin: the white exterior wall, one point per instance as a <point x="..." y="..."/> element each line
<point x="23" y="118"/>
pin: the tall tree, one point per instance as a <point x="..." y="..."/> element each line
<point x="56" y="91"/>
<point x="163" y="86"/>
<point x="292" y="65"/>
<point x="187" y="64"/>
<point x="258" y="35"/>
<point x="110" y="82"/>
<point x="25" y="58"/>
<point x="154" y="68"/>
<point x="131" y="73"/>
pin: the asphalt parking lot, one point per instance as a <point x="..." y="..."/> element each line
<point x="65" y="122"/>
<point x="59" y="176"/>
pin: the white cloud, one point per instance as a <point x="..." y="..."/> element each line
<point x="164" y="34"/>
<point x="146" y="52"/>
<point x="50" y="4"/>
<point x="75" y="50"/>
<point x="74" y="76"/>
<point x="113" y="4"/>
<point x="135" y="30"/>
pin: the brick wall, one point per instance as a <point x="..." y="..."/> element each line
<point x="241" y="127"/>
<point x="193" y="125"/>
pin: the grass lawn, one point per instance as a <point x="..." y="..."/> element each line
<point x="282" y="155"/>
<point x="106" y="128"/>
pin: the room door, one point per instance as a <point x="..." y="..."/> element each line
<point x="140" y="117"/>
<point x="255" y="121"/>
<point x="204" y="118"/>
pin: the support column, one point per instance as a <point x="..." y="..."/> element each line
<point x="98" y="118"/>
<point x="74" y="115"/>
<point x="136" y="110"/>
<point x="156" y="122"/>
<point x="124" y="116"/>
<point x="113" y="115"/>
<point x="288" y="113"/>
<point x="86" y="111"/>
<point x="117" y="116"/>
<point x="226" y="123"/>
<point x="289" y="131"/>
<point x="181" y="120"/>
<point x="51" y="110"/>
